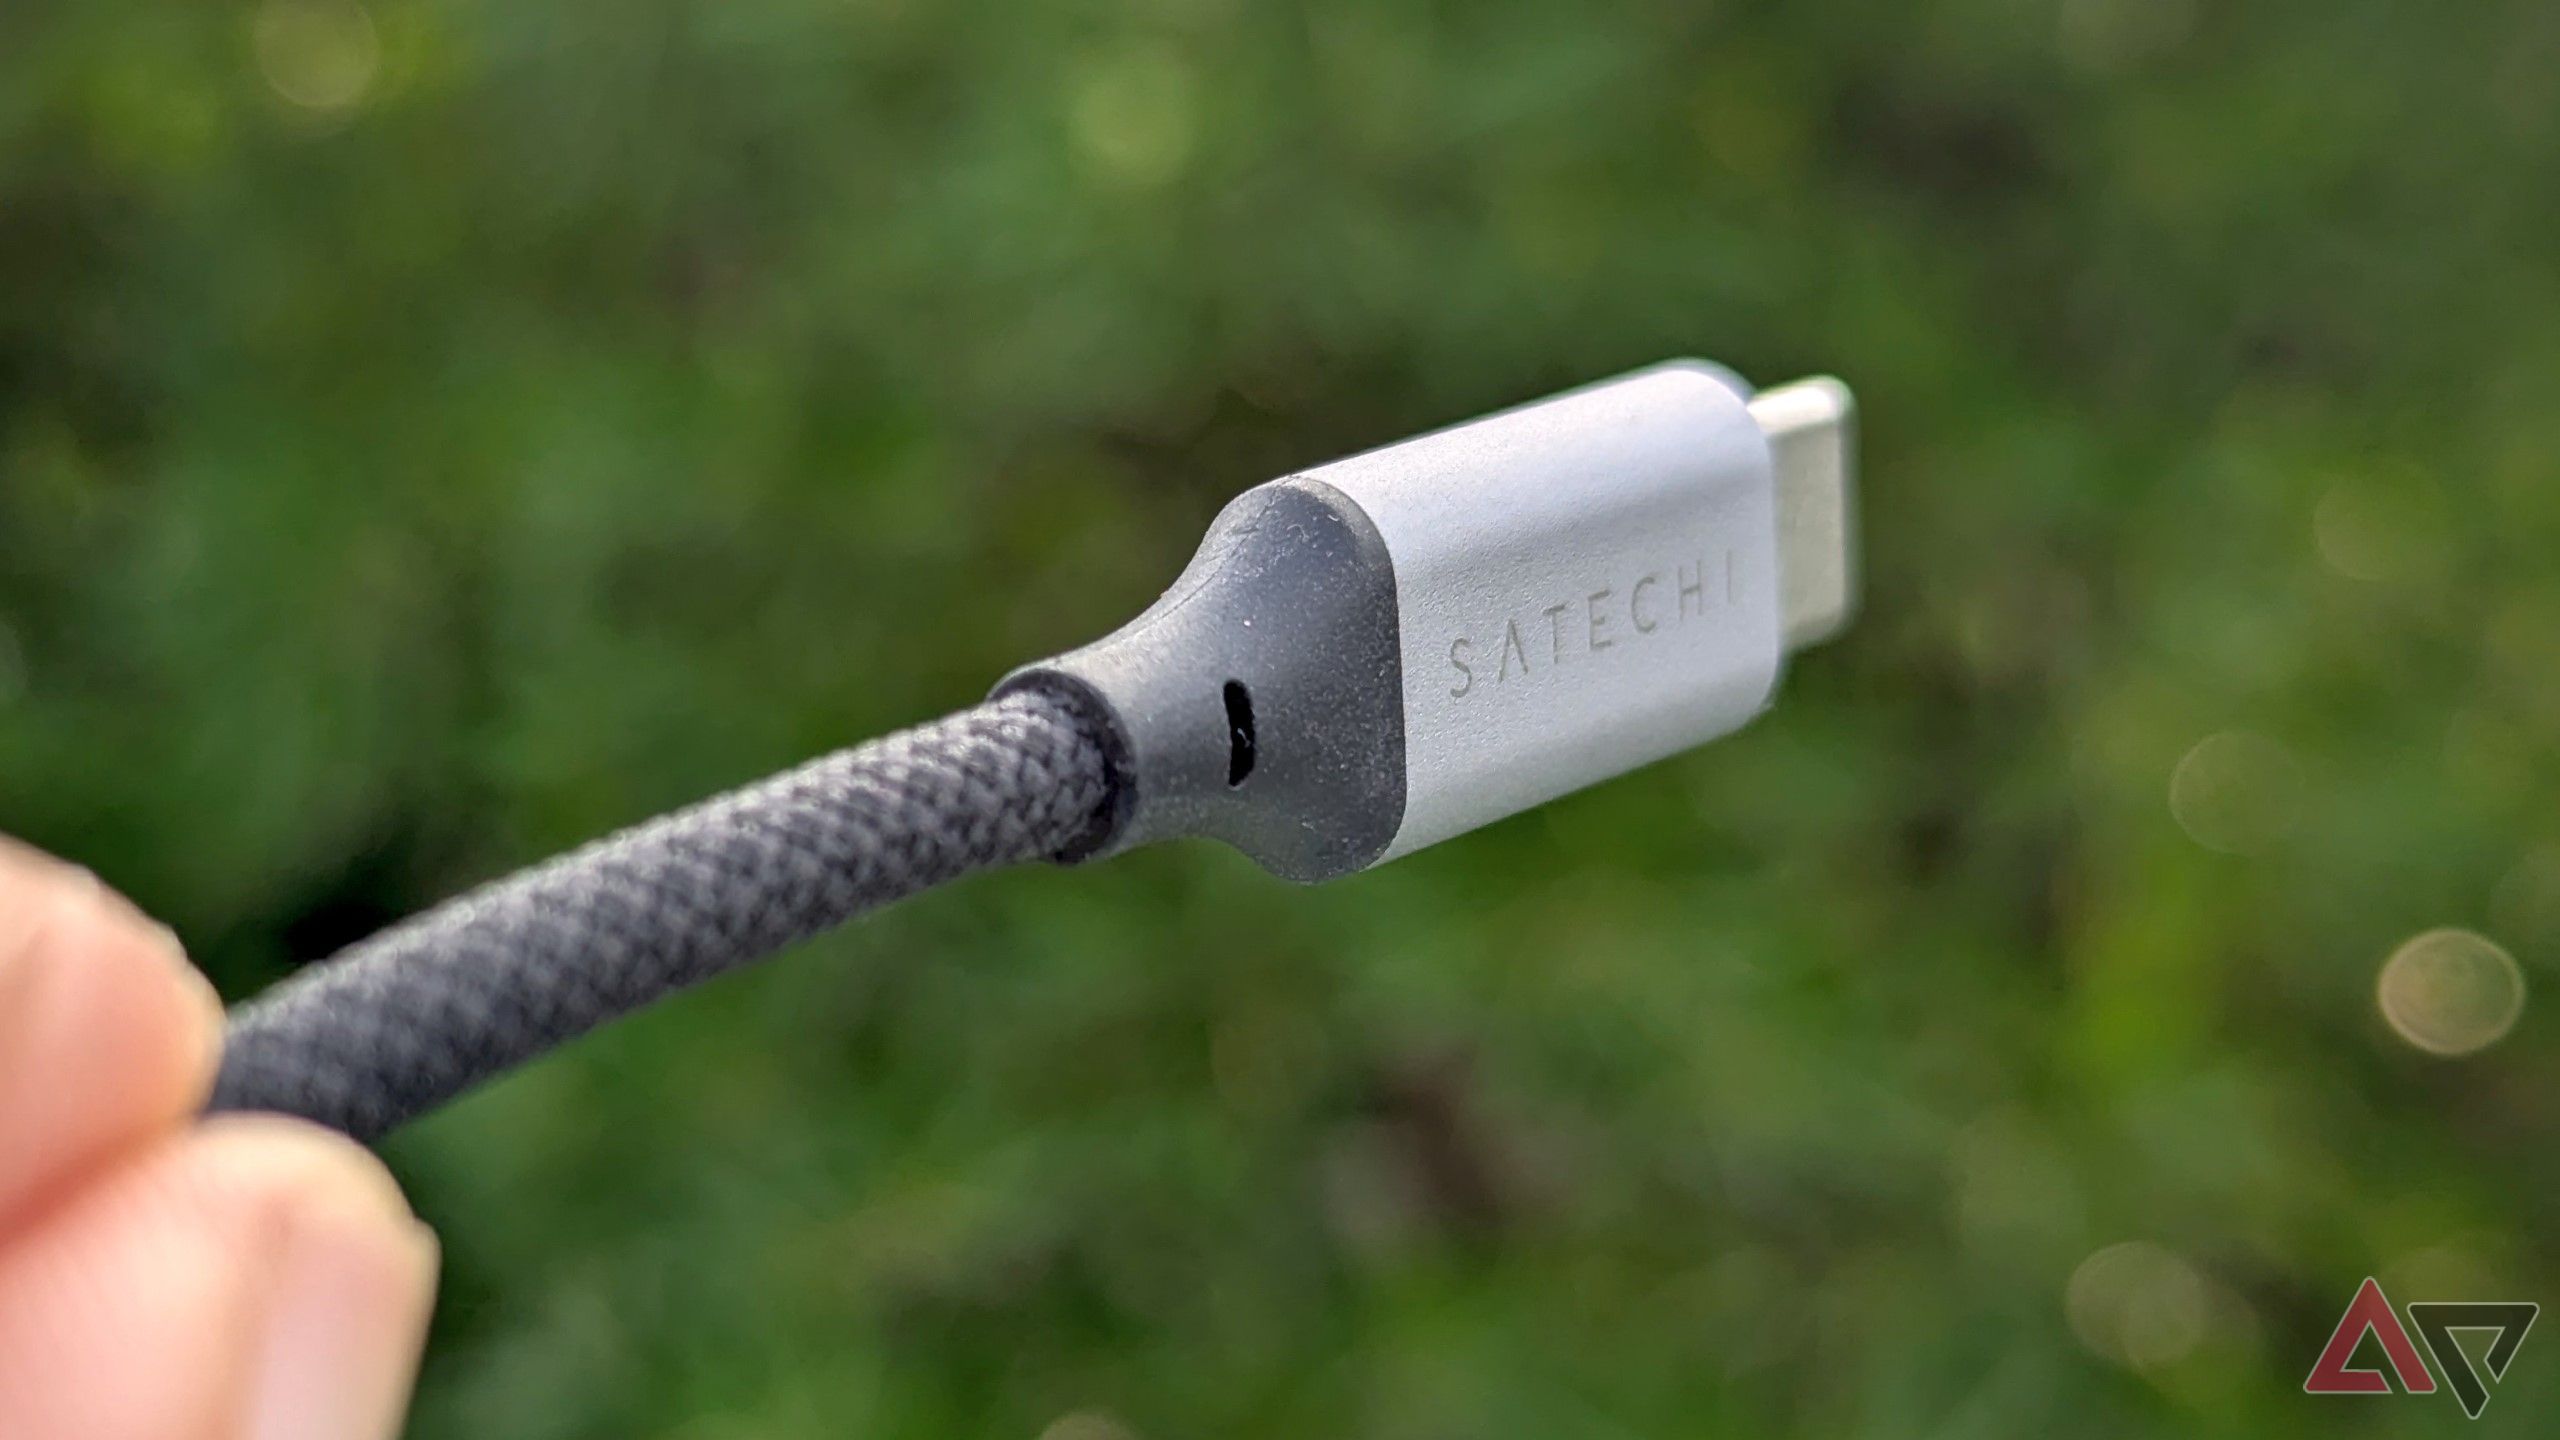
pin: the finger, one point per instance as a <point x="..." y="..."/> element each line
<point x="107" y="1034"/>
<point x="251" y="1279"/>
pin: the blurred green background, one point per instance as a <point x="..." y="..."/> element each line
<point x="433" y="432"/>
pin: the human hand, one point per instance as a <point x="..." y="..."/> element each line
<point x="164" y="1277"/>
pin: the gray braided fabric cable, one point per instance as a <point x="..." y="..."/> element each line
<point x="401" y="1022"/>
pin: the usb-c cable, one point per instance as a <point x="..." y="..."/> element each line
<point x="1363" y="659"/>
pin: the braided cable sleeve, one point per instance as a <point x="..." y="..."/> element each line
<point x="401" y="1022"/>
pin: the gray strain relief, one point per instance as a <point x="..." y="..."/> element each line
<point x="1261" y="700"/>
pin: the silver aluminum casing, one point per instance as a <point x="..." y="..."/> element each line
<point x="1583" y="585"/>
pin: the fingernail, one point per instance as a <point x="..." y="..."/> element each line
<point x="349" y="1311"/>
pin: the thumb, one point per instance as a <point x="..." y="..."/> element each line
<point x="250" y="1277"/>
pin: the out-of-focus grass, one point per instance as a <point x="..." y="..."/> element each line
<point x="435" y="431"/>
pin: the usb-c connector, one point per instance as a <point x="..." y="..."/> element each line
<point x="1432" y="636"/>
<point x="1812" y="430"/>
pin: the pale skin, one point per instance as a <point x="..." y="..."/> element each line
<point x="164" y="1277"/>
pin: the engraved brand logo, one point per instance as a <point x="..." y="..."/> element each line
<point x="1588" y="624"/>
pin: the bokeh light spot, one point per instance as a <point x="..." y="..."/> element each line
<point x="2115" y="34"/>
<point x="2014" y="1192"/>
<point x="320" y="55"/>
<point x="1751" y="125"/>
<point x="1133" y="114"/>
<point x="2138" y="1304"/>
<point x="2456" y="1267"/>
<point x="2451" y="992"/>
<point x="2235" y="792"/>
<point x="1087" y="1425"/>
<point x="2380" y="533"/>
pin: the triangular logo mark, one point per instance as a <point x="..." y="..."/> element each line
<point x="2436" y="1322"/>
<point x="2370" y="1310"/>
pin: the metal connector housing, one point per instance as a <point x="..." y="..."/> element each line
<point x="1374" y="655"/>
